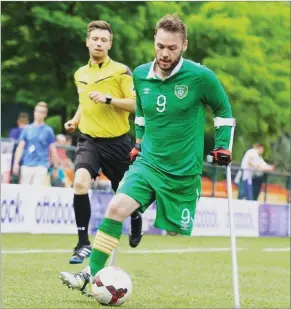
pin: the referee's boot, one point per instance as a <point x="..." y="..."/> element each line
<point x="135" y="233"/>
<point x="80" y="253"/>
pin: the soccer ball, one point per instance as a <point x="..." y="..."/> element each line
<point x="112" y="286"/>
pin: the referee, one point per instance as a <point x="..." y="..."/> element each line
<point x="106" y="98"/>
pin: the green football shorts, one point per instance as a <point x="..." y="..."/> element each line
<point x="176" y="196"/>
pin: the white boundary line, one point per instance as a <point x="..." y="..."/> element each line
<point x="286" y="249"/>
<point x="142" y="251"/>
<point x="35" y="251"/>
<point x="146" y="251"/>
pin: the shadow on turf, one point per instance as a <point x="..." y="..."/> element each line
<point x="83" y="301"/>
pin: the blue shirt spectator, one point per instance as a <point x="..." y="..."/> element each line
<point x="22" y="122"/>
<point x="36" y="144"/>
<point x="37" y="140"/>
<point x="14" y="133"/>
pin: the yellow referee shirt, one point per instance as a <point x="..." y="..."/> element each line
<point x="104" y="120"/>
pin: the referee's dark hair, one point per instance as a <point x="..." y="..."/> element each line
<point x="99" y="24"/>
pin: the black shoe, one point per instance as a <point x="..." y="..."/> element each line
<point x="135" y="233"/>
<point x="80" y="253"/>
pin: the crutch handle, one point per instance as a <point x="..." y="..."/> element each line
<point x="209" y="159"/>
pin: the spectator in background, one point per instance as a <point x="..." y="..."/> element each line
<point x="58" y="175"/>
<point x="14" y="133"/>
<point x="252" y="163"/>
<point x="71" y="151"/>
<point x="62" y="145"/>
<point x="22" y="122"/>
<point x="69" y="140"/>
<point x="36" y="141"/>
<point x="258" y="179"/>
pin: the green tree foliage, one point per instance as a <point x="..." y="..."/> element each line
<point x="281" y="153"/>
<point x="245" y="44"/>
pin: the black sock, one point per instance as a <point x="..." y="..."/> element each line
<point x="82" y="213"/>
<point x="134" y="215"/>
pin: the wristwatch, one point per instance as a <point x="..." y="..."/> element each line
<point x="108" y="98"/>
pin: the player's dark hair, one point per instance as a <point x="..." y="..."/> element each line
<point x="99" y="24"/>
<point x="172" y="23"/>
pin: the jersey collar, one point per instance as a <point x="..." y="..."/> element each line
<point x="177" y="68"/>
<point x="106" y="61"/>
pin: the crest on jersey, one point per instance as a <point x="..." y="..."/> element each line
<point x="181" y="91"/>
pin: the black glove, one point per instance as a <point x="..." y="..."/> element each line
<point x="219" y="156"/>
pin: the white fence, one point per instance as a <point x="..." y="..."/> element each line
<point x="49" y="210"/>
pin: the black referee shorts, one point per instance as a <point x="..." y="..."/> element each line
<point x="109" y="154"/>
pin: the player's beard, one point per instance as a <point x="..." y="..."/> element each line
<point x="171" y="68"/>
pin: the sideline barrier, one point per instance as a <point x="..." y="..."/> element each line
<point x="212" y="218"/>
<point x="49" y="210"/>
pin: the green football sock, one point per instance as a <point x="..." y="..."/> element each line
<point x="106" y="240"/>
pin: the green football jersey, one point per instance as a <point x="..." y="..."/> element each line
<point x="170" y="116"/>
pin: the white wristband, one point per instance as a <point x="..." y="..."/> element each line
<point x="140" y="121"/>
<point x="220" y="122"/>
